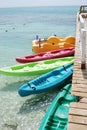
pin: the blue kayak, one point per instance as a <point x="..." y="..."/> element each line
<point x="50" y="80"/>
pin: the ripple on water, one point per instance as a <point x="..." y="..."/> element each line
<point x="17" y="113"/>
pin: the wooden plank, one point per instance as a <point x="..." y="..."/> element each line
<point x="77" y="81"/>
<point x="78" y="74"/>
<point x="83" y="72"/>
<point x="79" y="89"/>
<point x="77" y="119"/>
<point x="83" y="100"/>
<point x="79" y="105"/>
<point x="78" y="70"/>
<point x="80" y="77"/>
<point x="81" y="94"/>
<point x="73" y="126"/>
<point x="83" y="86"/>
<point x="78" y="112"/>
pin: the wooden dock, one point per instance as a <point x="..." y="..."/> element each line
<point x="78" y="111"/>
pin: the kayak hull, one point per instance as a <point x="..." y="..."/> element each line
<point x="45" y="82"/>
<point x="36" y="68"/>
<point x="46" y="55"/>
<point x="56" y="117"/>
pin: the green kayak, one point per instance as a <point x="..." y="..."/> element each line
<point x="36" y="68"/>
<point x="56" y="117"/>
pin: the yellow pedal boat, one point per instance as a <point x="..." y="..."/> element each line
<point x="52" y="43"/>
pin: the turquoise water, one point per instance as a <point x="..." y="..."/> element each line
<point x="18" y="27"/>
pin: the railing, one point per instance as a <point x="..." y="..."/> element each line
<point x="83" y="42"/>
<point x="83" y="9"/>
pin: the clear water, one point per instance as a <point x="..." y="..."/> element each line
<point x="18" y="27"/>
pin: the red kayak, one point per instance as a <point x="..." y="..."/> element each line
<point x="46" y="55"/>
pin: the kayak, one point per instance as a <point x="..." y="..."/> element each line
<point x="47" y="55"/>
<point x="36" y="68"/>
<point x="56" y="117"/>
<point x="52" y="43"/>
<point x="45" y="82"/>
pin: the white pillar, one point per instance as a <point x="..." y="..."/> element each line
<point x="81" y="21"/>
<point x="83" y="48"/>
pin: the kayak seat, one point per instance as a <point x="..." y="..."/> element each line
<point x="55" y="123"/>
<point x="52" y="123"/>
<point x="33" y="87"/>
<point x="51" y="78"/>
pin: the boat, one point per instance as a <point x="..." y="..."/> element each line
<point x="52" y="43"/>
<point x="45" y="82"/>
<point x="36" y="68"/>
<point x="56" y="117"/>
<point x="46" y="55"/>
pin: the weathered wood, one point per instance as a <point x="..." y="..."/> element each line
<point x="80" y="76"/>
<point x="83" y="86"/>
<point x="78" y="119"/>
<point x="78" y="110"/>
<point x="80" y="94"/>
<point x="77" y="81"/>
<point x="83" y="100"/>
<point x="83" y="72"/>
<point x="79" y="88"/>
<point x="79" y="105"/>
<point x="73" y="126"/>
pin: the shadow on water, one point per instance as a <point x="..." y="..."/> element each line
<point x="39" y="101"/>
<point x="10" y="126"/>
<point x="36" y="102"/>
<point x="12" y="86"/>
<point x="13" y="83"/>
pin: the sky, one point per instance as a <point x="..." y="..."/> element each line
<point x="27" y="3"/>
